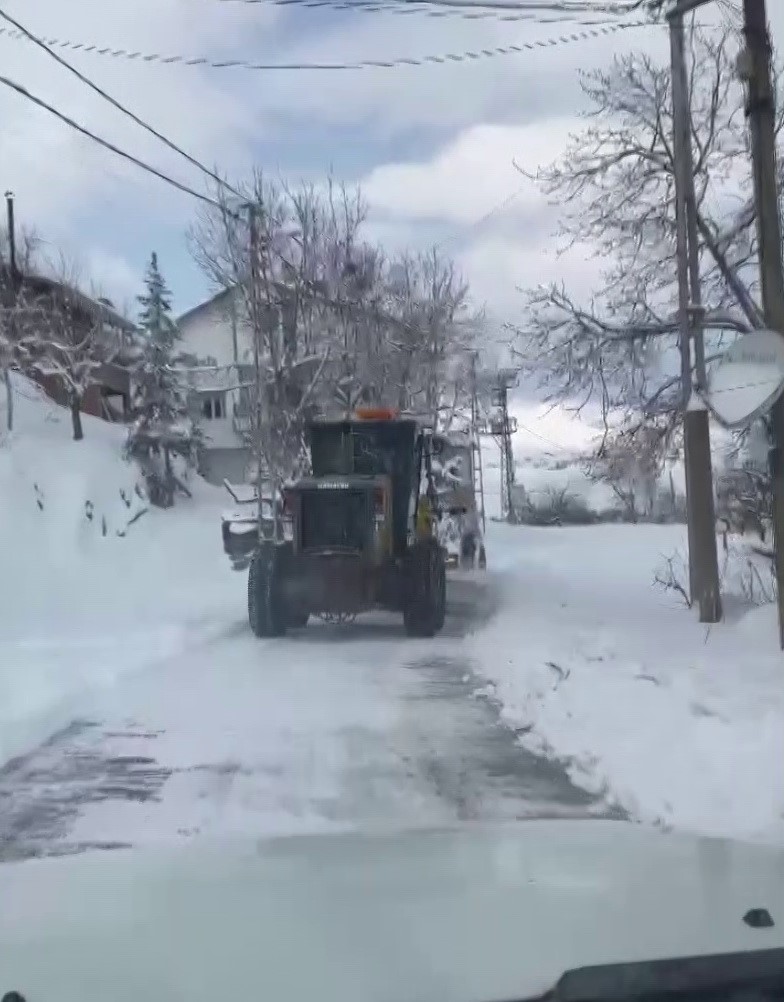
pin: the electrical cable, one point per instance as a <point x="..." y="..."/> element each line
<point x="24" y="33"/>
<point x="486" y="217"/>
<point x="315" y="291"/>
<point x="6" y="82"/>
<point x="536" y="6"/>
<point x="449" y="57"/>
<point x="466" y="14"/>
<point x="116" y="104"/>
<point x="458" y="9"/>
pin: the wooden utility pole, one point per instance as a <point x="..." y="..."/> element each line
<point x="703" y="559"/>
<point x="255" y="320"/>
<point x="9" y="305"/>
<point x="755" y="65"/>
<point x="9" y="205"/>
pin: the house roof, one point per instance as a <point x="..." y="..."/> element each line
<point x="43" y="285"/>
<point x="225" y="295"/>
<point x="219" y="297"/>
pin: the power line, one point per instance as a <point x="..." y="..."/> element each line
<point x="315" y="291"/>
<point x="115" y="103"/>
<point x="420" y="8"/>
<point x="107" y="145"/>
<point x="504" y="10"/>
<point x="615" y="8"/>
<point x="241" y="64"/>
<point x="22" y="32"/>
<point x="486" y="217"/>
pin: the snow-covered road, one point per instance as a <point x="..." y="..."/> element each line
<point x="329" y="728"/>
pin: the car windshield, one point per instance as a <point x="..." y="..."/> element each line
<point x="392" y="438"/>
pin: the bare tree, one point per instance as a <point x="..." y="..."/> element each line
<point x="429" y="358"/>
<point x="61" y="338"/>
<point x="615" y="184"/>
<point x="337" y="324"/>
<point x="12" y="306"/>
<point x="297" y="308"/>
<point x="7" y="354"/>
<point x="73" y="353"/>
<point x="631" y="465"/>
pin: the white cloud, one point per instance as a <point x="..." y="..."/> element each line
<point x="57" y="174"/>
<point x="525" y="86"/>
<point x="113" y="277"/>
<point x="515" y="246"/>
<point x="472" y="175"/>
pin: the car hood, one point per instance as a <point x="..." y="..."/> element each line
<point x="472" y="915"/>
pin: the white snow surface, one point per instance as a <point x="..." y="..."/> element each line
<point x="145" y="623"/>
<point x="80" y="604"/>
<point x="682" y="724"/>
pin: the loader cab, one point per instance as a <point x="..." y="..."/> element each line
<point x="376" y="445"/>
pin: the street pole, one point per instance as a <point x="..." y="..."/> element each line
<point x="507" y="454"/>
<point x="760" y="110"/>
<point x="477" y="472"/>
<point x="253" y="226"/>
<point x="12" y="297"/>
<point x="9" y="205"/>
<point x="703" y="558"/>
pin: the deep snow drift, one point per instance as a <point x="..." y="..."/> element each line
<point x="683" y="724"/>
<point x="95" y="583"/>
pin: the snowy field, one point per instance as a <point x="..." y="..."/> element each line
<point x="136" y="707"/>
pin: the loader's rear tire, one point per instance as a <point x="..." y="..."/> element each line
<point x="424" y="611"/>
<point x="267" y="612"/>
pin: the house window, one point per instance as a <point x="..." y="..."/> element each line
<point x="214" y="406"/>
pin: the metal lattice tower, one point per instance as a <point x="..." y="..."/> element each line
<point x="500" y="426"/>
<point x="477" y="471"/>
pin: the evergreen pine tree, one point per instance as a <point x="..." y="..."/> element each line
<point x="162" y="425"/>
<point x="155" y="317"/>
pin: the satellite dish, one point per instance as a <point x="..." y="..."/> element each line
<point x="748" y="379"/>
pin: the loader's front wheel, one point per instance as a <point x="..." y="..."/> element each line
<point x="267" y="612"/>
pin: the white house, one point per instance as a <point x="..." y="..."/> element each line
<point x="217" y="344"/>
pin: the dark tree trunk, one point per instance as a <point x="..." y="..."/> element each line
<point x="76" y="420"/>
<point x="9" y="401"/>
<point x="169" y="478"/>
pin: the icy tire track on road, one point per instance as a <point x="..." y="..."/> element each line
<point x="330" y="728"/>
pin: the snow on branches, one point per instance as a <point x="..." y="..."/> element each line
<point x="336" y="322"/>
<point x="615" y="185"/>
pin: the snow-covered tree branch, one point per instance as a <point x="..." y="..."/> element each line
<point x="59" y="336"/>
<point x="615" y="185"/>
<point x="337" y="323"/>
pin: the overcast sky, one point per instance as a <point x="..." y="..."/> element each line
<point x="432" y="147"/>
